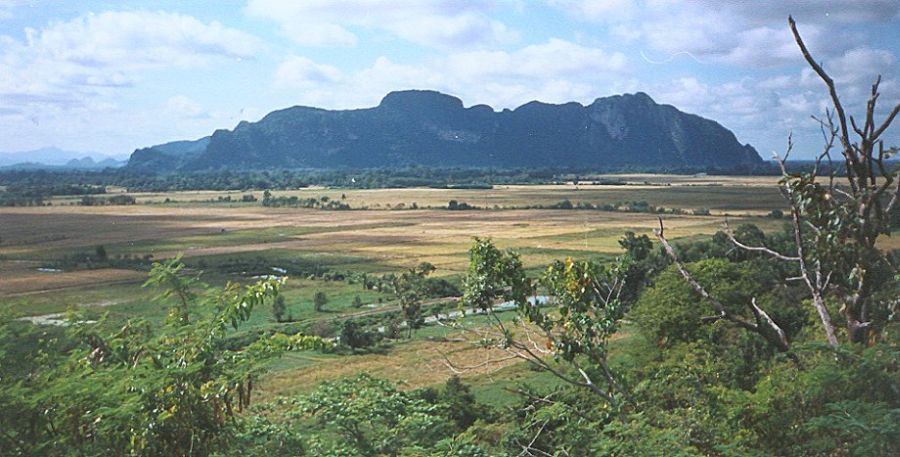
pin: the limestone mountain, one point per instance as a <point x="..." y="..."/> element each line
<point x="428" y="128"/>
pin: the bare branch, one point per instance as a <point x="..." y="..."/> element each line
<point x="770" y="330"/>
<point x="717" y="305"/>
<point x="849" y="154"/>
<point x="764" y="249"/>
<point x="887" y="122"/>
<point x="764" y="326"/>
<point x="543" y="364"/>
<point x="517" y="350"/>
<point x="456" y="369"/>
<point x="814" y="289"/>
<point x="526" y="450"/>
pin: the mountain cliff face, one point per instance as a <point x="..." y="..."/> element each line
<point x="428" y="128"/>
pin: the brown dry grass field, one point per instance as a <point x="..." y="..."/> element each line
<point x="396" y="238"/>
<point x="418" y="363"/>
<point x="720" y="194"/>
<point x="390" y="239"/>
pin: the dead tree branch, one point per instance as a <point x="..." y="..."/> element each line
<point x="870" y="198"/>
<point x="763" y="325"/>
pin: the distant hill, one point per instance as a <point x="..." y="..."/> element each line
<point x="56" y="158"/>
<point x="428" y="128"/>
<point x="168" y="156"/>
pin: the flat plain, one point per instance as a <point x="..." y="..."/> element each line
<point x="38" y="276"/>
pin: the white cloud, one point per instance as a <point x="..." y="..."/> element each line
<point x="138" y="40"/>
<point x="764" y="111"/>
<point x="745" y="34"/>
<point x="554" y="59"/>
<point x="861" y="65"/>
<point x="67" y="63"/>
<point x="7" y="7"/>
<point x="609" y="11"/>
<point x="183" y="106"/>
<point x="437" y="24"/>
<point x="553" y="71"/>
<point x="799" y="103"/>
<point x="297" y="71"/>
<point x="741" y="105"/>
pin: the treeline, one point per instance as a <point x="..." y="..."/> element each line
<point x="310" y="269"/>
<point x="641" y="206"/>
<point x="89" y="200"/>
<point x="294" y="201"/>
<point x="29" y="194"/>
<point x="99" y="258"/>
<point x="79" y="182"/>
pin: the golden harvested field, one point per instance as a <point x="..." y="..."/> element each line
<point x="384" y="240"/>
<point x="398" y="238"/>
<point x="719" y="194"/>
<point x="377" y="240"/>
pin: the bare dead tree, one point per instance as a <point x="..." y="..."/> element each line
<point x="874" y="191"/>
<point x="835" y="222"/>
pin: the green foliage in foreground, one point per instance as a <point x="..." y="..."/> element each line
<point x="676" y="386"/>
<point x="584" y="312"/>
<point x="136" y="390"/>
<point x="690" y="385"/>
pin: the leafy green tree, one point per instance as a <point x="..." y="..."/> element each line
<point x="561" y="421"/>
<point x="354" y="336"/>
<point x="461" y="405"/>
<point x="670" y="311"/>
<point x="643" y="263"/>
<point x="100" y="253"/>
<point x="279" y="309"/>
<point x="135" y="390"/>
<point x="843" y="402"/>
<point x="319" y="300"/>
<point x="575" y="330"/>
<point x="494" y="275"/>
<point x="639" y="437"/>
<point x="637" y="247"/>
<point x="261" y="435"/>
<point x="410" y="288"/>
<point x="368" y="416"/>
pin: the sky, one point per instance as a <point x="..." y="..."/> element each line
<point x="113" y="76"/>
